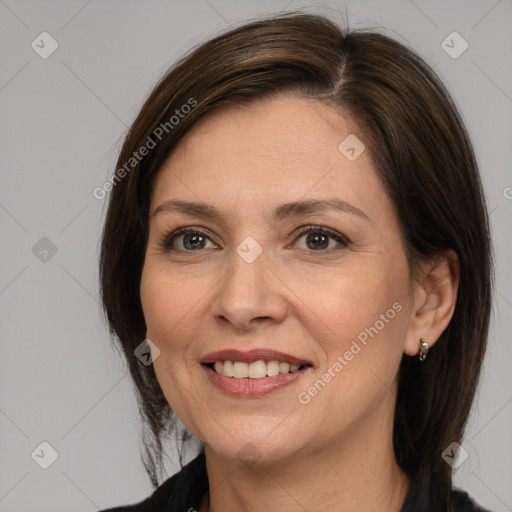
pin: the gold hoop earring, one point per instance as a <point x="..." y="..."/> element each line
<point x="424" y="348"/>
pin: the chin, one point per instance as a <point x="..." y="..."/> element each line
<point x="252" y="452"/>
<point x="252" y="443"/>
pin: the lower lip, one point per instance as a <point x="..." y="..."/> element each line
<point x="248" y="388"/>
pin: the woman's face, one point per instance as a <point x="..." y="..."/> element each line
<point x="247" y="278"/>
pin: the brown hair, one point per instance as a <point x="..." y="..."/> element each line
<point x="423" y="156"/>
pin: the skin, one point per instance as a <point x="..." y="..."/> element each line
<point x="335" y="450"/>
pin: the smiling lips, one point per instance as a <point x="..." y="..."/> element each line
<point x="254" y="373"/>
<point x="256" y="370"/>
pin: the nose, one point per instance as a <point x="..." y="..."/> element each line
<point x="250" y="294"/>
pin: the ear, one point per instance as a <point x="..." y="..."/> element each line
<point x="433" y="302"/>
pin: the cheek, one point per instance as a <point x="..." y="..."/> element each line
<point x="170" y="312"/>
<point x="166" y="304"/>
<point x="351" y="300"/>
<point x="361" y="317"/>
<point x="362" y="348"/>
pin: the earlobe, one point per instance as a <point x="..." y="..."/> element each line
<point x="434" y="302"/>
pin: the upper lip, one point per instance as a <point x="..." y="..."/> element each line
<point x="250" y="356"/>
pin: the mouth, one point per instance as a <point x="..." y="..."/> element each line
<point x="254" y="373"/>
<point x="256" y="370"/>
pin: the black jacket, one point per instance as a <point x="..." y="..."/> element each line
<point x="183" y="492"/>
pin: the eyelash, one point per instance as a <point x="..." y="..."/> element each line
<point x="167" y="240"/>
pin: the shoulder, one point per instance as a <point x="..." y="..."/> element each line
<point x="427" y="497"/>
<point x="462" y="502"/>
<point x="183" y="491"/>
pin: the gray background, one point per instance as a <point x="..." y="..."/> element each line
<point x="62" y="119"/>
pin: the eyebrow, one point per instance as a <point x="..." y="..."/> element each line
<point x="291" y="209"/>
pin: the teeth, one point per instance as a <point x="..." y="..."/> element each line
<point x="284" y="368"/>
<point x="228" y="370"/>
<point x="272" y="368"/>
<point x="241" y="370"/>
<point x="256" y="370"/>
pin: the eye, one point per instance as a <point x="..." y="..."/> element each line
<point x="186" y="240"/>
<point x="318" y="238"/>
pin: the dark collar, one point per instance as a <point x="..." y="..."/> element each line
<point x="184" y="491"/>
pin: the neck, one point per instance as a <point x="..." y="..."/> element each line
<point x="356" y="472"/>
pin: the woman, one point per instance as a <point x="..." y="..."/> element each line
<point x="296" y="261"/>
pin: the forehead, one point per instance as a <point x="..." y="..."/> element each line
<point x="284" y="129"/>
<point x="272" y="150"/>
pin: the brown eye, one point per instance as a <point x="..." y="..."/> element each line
<point x="193" y="241"/>
<point x="317" y="241"/>
<point x="320" y="238"/>
<point x="186" y="240"/>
